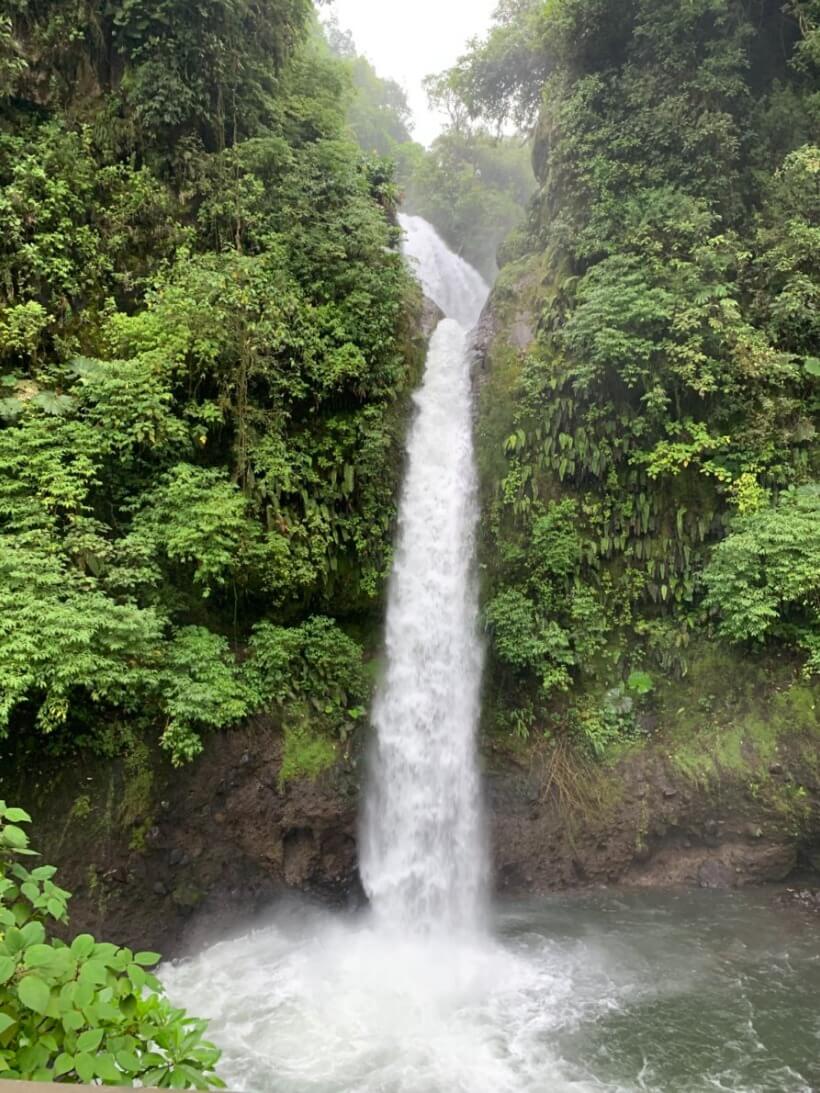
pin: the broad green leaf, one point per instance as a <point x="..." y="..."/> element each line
<point x="34" y="993"/>
<point x="43" y="872"/>
<point x="33" y="933"/>
<point x="55" y="907"/>
<point x="90" y="1040"/>
<point x="6" y="1022"/>
<point x="13" y="836"/>
<point x="129" y="1062"/>
<point x="73" y="1020"/>
<point x="147" y="959"/>
<point x="104" y="1068"/>
<point x="84" y="1065"/>
<point x="7" y="968"/>
<point x="63" y="1063"/>
<point x="82" y="946"/>
<point x="39" y="956"/>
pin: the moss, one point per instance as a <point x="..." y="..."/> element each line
<point x="187" y="896"/>
<point x="306" y="753"/>
<point x="737" y="715"/>
<point x="137" y="805"/>
<point x="81" y="809"/>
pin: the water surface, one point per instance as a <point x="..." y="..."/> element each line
<point x="672" y="992"/>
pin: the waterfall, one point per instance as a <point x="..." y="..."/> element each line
<point x="422" y="854"/>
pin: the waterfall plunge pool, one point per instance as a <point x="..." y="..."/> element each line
<point x="617" y="991"/>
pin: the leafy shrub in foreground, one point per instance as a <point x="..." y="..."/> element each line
<point x="87" y="1011"/>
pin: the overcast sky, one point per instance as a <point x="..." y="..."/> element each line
<point x="408" y="41"/>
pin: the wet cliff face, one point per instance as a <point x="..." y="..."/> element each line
<point x="163" y="857"/>
<point x="167" y="859"/>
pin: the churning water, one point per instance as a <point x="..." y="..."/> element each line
<point x="668" y="994"/>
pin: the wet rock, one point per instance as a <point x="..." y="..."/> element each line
<point x="715" y="874"/>
<point x="431" y="316"/>
<point x="806" y="898"/>
<point x="711" y="833"/>
<point x="300" y="856"/>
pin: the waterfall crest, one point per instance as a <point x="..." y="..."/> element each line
<point x="422" y="854"/>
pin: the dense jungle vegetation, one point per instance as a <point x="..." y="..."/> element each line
<point x="206" y="337"/>
<point x="651" y="469"/>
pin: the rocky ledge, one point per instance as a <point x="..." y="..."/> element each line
<point x="163" y="858"/>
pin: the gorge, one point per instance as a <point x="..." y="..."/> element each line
<point x="410" y="556"/>
<point x="420" y="993"/>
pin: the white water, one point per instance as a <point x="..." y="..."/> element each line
<point x="422" y="851"/>
<point x="413" y="996"/>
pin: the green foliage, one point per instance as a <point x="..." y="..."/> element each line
<point x="315" y="665"/>
<point x="473" y="186"/>
<point x="87" y="1011"/>
<point x="306" y="753"/>
<point x="544" y="620"/>
<point x="206" y="341"/>
<point x="671" y="384"/>
<point x="764" y="578"/>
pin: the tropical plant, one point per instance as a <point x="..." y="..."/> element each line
<point x="84" y="1010"/>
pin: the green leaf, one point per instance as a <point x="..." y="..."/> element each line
<point x="63" y="1063"/>
<point x="55" y="907"/>
<point x="16" y="815"/>
<point x="104" y="1068"/>
<point x="90" y="1040"/>
<point x="640" y="682"/>
<point x="136" y="975"/>
<point x="94" y="973"/>
<point x="82" y="946"/>
<point x="33" y="933"/>
<point x="7" y="968"/>
<point x="812" y="365"/>
<point x="73" y="1020"/>
<point x="147" y="959"/>
<point x="13" y="836"/>
<point x="84" y="1065"/>
<point x="34" y="993"/>
<point x="129" y="1062"/>
<point x="6" y="1022"/>
<point x="43" y="872"/>
<point x="39" y="956"/>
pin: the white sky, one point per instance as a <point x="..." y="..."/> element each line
<point x="408" y="41"/>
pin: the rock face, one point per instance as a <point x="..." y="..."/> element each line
<point x="639" y="823"/>
<point x="203" y="849"/>
<point x="206" y="848"/>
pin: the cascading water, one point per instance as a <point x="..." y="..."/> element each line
<point x="422" y="853"/>
<point x="610" y="993"/>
